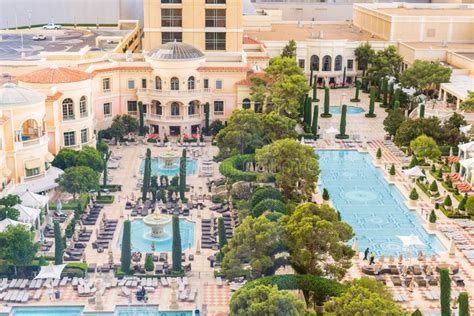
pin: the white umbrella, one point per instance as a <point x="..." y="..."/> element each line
<point x="414" y="172"/>
<point x="302" y="140"/>
<point x="50" y="271"/>
<point x="411" y="240"/>
<point x="450" y="151"/>
<point x="331" y="130"/>
<point x="452" y="249"/>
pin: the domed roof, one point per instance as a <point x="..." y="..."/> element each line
<point x="11" y="94"/>
<point x="55" y="74"/>
<point x="175" y="51"/>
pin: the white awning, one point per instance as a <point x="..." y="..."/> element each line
<point x="40" y="184"/>
<point x="466" y="146"/>
<point x="467" y="163"/>
<point x="34" y="200"/>
<point x="27" y="214"/>
<point x="7" y="222"/>
<point x="33" y="163"/>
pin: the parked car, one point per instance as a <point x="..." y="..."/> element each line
<point x="39" y="37"/>
<point x="51" y="26"/>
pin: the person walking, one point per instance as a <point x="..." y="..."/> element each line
<point x="372" y="258"/>
<point x="366" y="254"/>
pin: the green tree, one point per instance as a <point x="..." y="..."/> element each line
<point x="325" y="194"/>
<point x="315" y="89"/>
<point x="385" y="92"/>
<point x="221" y="233"/>
<point x="425" y="147"/>
<point x="470" y="205"/>
<point x="146" y="175"/>
<point x="277" y="127"/>
<point x="392" y="170"/>
<point x="65" y="158"/>
<point x="445" y="297"/>
<point x="385" y="63"/>
<point x="216" y="126"/>
<point x="176" y="250"/>
<point x="265" y="193"/>
<point x="463" y="300"/>
<point x="130" y="122"/>
<point x="411" y="129"/>
<point x="307" y="111"/>
<point x="462" y="203"/>
<point x="317" y="241"/>
<point x="326" y="103"/>
<point x="6" y="207"/>
<point x="422" y="110"/>
<point x="118" y="129"/>
<point x="90" y="157"/>
<point x="126" y="251"/>
<point x="413" y="162"/>
<point x="432" y="218"/>
<point x="103" y="148"/>
<point x="294" y="165"/>
<point x="289" y="50"/>
<point x="206" y="118"/>
<point x="77" y="180"/>
<point x="364" y="55"/>
<point x="182" y="176"/>
<point x="364" y="297"/>
<point x="425" y="76"/>
<point x="378" y="154"/>
<point x="342" y="127"/>
<point x="393" y="121"/>
<point x="58" y="244"/>
<point x="258" y="90"/>
<point x="269" y="205"/>
<point x="254" y="241"/>
<point x="414" y="195"/>
<point x="468" y="104"/>
<point x="265" y="300"/>
<point x="149" y="265"/>
<point x="141" y="127"/>
<point x="434" y="186"/>
<point x="371" y="103"/>
<point x="314" y="124"/>
<point x="18" y="246"/>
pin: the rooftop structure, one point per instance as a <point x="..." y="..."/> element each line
<point x="11" y="94"/>
<point x="55" y="74"/>
<point x="175" y="51"/>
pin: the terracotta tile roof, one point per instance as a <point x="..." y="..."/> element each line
<point x="55" y="75"/>
<point x="123" y="68"/>
<point x="250" y="40"/>
<point x="247" y="81"/>
<point x="54" y="97"/>
<point x="223" y="69"/>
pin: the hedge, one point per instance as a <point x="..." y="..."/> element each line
<point x="71" y="204"/>
<point x="265" y="193"/>
<point x="105" y="199"/>
<point x="112" y="187"/>
<point x="232" y="168"/>
<point x="269" y="205"/>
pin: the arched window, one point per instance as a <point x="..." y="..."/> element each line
<point x="257" y="107"/>
<point x="338" y="63"/>
<point x="191" y="84"/>
<point x="327" y="63"/>
<point x="174" y="83"/>
<point x="314" y="62"/>
<point x="174" y="109"/>
<point x="158" y="108"/>
<point x="246" y="103"/>
<point x="68" y="109"/>
<point x="83" y="106"/>
<point x="192" y="108"/>
<point x="157" y="83"/>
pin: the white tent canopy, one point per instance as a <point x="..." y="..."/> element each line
<point x="411" y="240"/>
<point x="33" y="200"/>
<point x="50" y="271"/>
<point x="467" y="163"/>
<point x="7" y="222"/>
<point x="27" y="214"/>
<point x="414" y="172"/>
<point x="466" y="147"/>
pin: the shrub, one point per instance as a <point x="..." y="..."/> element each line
<point x="445" y="285"/>
<point x="414" y="195"/>
<point x="417" y="313"/>
<point x="449" y="183"/>
<point x="379" y="153"/>
<point x="149" y="266"/>
<point x="447" y="201"/>
<point x="125" y="259"/>
<point x="392" y="170"/>
<point x="217" y="199"/>
<point x="463" y="300"/>
<point x="269" y="205"/>
<point x="42" y="261"/>
<point x="265" y="193"/>
<point x="413" y="162"/>
<point x="462" y="203"/>
<point x="176" y="247"/>
<point x="434" y="186"/>
<point x="105" y="199"/>
<point x="470" y="205"/>
<point x="325" y="194"/>
<point x="432" y="217"/>
<point x="232" y="168"/>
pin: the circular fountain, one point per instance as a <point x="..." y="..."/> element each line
<point x="157" y="222"/>
<point x="168" y="157"/>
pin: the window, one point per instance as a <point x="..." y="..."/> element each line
<point x="191" y="83"/>
<point x="170" y="1"/>
<point x="218" y="84"/>
<point x="215" y="17"/>
<point x="32" y="172"/>
<point x="246" y="104"/>
<point x="83" y="106"/>
<point x="84" y="135"/>
<point x="327" y="63"/>
<point x="68" y="109"/>
<point x="167" y="37"/>
<point x="301" y="63"/>
<point x="132" y="107"/>
<point x="174" y="109"/>
<point x="171" y="18"/>
<point x="131" y="84"/>
<point x="350" y="64"/>
<point x="144" y="83"/>
<point x="218" y="107"/>
<point x="174" y="83"/>
<point x="257" y="107"/>
<point x="158" y="108"/>
<point x="215" y="41"/>
<point x="157" y="83"/>
<point x="107" y="109"/>
<point x="338" y="63"/>
<point x="191" y="108"/>
<point x="106" y="84"/>
<point x="69" y="139"/>
<point x="206" y="83"/>
<point x="314" y="62"/>
<point x="215" y="1"/>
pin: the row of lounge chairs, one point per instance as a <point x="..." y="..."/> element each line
<point x="15" y="296"/>
<point x="209" y="234"/>
<point x="105" y="234"/>
<point x="90" y="217"/>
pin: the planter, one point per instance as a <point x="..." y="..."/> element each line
<point x="319" y="309"/>
<point x="413" y="202"/>
<point x="432" y="226"/>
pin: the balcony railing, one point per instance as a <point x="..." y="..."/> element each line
<point x="68" y="117"/>
<point x="32" y="142"/>
<point x="218" y="112"/>
<point x="172" y="93"/>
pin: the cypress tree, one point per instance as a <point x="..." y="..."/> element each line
<point x="371" y="103"/>
<point x="356" y="97"/>
<point x="182" y="176"/>
<point x="141" y="128"/>
<point x="422" y="110"/>
<point x="58" y="244"/>
<point x="146" y="175"/>
<point x="342" y="127"/>
<point x="396" y="98"/>
<point x="378" y="94"/>
<point x="365" y="84"/>
<point x="307" y="111"/>
<point x="206" y="118"/>
<point x="221" y="233"/>
<point x="311" y="77"/>
<point x="463" y="300"/>
<point x="396" y="105"/>
<point x="176" y="248"/>
<point x="344" y="78"/>
<point x="445" y="297"/>
<point x="391" y="94"/>
<point x="314" y="124"/>
<point x="315" y="89"/>
<point x="126" y="256"/>
<point x="326" y="103"/>
<point x="385" y="92"/>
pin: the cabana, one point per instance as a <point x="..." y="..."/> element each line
<point x="7" y="222"/>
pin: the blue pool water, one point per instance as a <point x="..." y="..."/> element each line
<point x="141" y="236"/>
<point x="148" y="311"/>
<point x="350" y="109"/>
<point x="46" y="311"/>
<point x="76" y="311"/>
<point x="157" y="168"/>
<point x="374" y="208"/>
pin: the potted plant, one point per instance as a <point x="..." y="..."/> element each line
<point x="325" y="195"/>
<point x="434" y="189"/>
<point x="462" y="204"/>
<point x="448" y="204"/>
<point x="432" y="220"/>
<point x="413" y="197"/>
<point x="149" y="266"/>
<point x="392" y="171"/>
<point x="378" y="155"/>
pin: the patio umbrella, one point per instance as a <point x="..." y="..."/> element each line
<point x="50" y="271"/>
<point x="410" y="241"/>
<point x="452" y="249"/>
<point x="464" y="129"/>
<point x="302" y="141"/>
<point x="450" y="151"/>
<point x="414" y="172"/>
<point x="412" y="284"/>
<point x="59" y="205"/>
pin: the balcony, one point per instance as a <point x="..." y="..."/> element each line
<point x="68" y="117"/>
<point x="31" y="143"/>
<point x="173" y="118"/>
<point x="174" y="93"/>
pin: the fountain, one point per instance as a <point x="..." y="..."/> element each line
<point x="157" y="222"/>
<point x="169" y="157"/>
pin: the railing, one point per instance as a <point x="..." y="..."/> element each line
<point x="173" y="93"/>
<point x="32" y="142"/>
<point x="154" y="116"/>
<point x="83" y="115"/>
<point x="68" y="117"/>
<point x="218" y="112"/>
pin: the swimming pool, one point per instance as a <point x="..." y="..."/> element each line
<point x="148" y="311"/>
<point x="77" y="311"/>
<point x="46" y="311"/>
<point x="158" y="169"/>
<point x="374" y="208"/>
<point x="335" y="109"/>
<point x="141" y="236"/>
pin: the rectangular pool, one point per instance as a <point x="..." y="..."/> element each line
<point x="374" y="208"/>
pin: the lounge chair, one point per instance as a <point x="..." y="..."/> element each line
<point x="219" y="281"/>
<point x="25" y="298"/>
<point x="164" y="282"/>
<point x="38" y="294"/>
